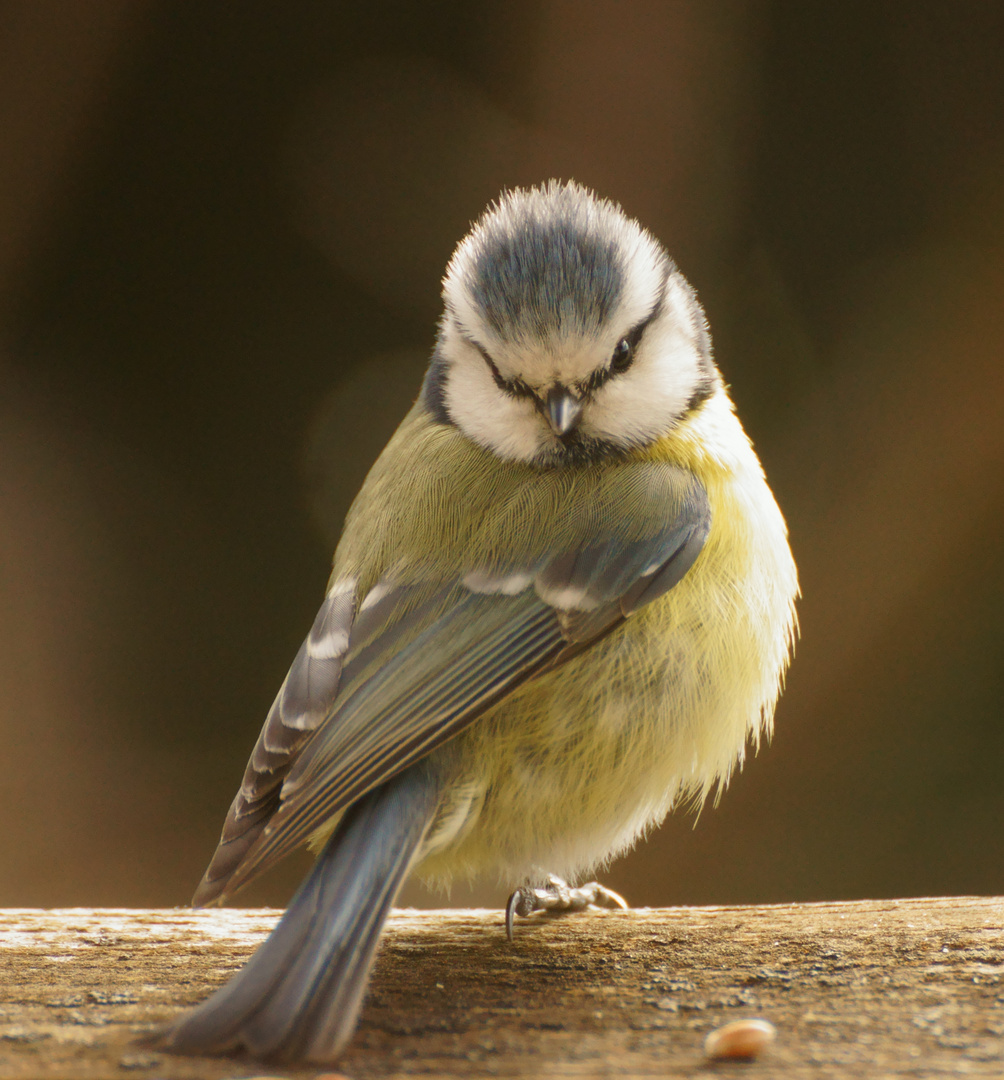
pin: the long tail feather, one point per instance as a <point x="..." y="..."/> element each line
<point x="299" y="996"/>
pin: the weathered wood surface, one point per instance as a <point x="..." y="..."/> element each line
<point x="909" y="988"/>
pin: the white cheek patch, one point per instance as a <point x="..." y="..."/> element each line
<point x="510" y="427"/>
<point x="645" y="402"/>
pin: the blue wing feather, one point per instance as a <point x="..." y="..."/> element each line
<point x="422" y="664"/>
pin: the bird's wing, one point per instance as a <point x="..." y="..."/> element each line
<point x="374" y="689"/>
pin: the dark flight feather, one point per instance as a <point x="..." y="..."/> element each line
<point x="422" y="662"/>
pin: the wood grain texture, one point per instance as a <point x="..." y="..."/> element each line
<point x="907" y="988"/>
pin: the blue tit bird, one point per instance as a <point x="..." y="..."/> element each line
<point x="562" y="603"/>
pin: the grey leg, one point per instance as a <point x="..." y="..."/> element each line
<point x="558" y="896"/>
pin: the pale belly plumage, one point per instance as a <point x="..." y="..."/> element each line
<point x="572" y="768"/>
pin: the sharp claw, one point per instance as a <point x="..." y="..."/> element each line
<point x="609" y="898"/>
<point x="558" y="897"/>
<point x="510" y="911"/>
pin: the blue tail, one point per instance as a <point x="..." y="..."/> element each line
<point x="299" y="996"/>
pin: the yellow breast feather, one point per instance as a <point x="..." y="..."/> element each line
<point x="594" y="756"/>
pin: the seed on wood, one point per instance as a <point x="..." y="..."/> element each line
<point x="740" y="1039"/>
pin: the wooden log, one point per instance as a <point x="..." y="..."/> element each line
<point x="905" y="988"/>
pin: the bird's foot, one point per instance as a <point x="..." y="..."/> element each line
<point x="556" y="897"/>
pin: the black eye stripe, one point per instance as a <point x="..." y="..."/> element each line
<point x="631" y="340"/>
<point x="517" y="388"/>
<point x="513" y="387"/>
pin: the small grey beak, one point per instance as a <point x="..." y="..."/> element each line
<point x="563" y="410"/>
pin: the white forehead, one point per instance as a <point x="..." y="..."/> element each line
<point x="549" y="279"/>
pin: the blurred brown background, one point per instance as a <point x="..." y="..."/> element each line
<point x="221" y="235"/>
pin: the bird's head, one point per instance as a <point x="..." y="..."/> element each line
<point x="568" y="333"/>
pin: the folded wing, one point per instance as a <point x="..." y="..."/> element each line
<point x="382" y="680"/>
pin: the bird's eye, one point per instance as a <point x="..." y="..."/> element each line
<point x="622" y="356"/>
